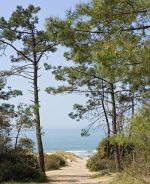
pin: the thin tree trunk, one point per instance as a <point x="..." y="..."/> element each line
<point x="17" y="136"/>
<point x="114" y="129"/>
<point x="37" y="120"/>
<point x="133" y="104"/>
<point x="37" y="107"/>
<point x="107" y="122"/>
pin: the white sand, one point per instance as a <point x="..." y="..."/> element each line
<point x="76" y="173"/>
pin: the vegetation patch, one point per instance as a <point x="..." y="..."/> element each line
<point x="67" y="155"/>
<point x="125" y="178"/>
<point x="101" y="161"/>
<point x="54" y="162"/>
<point x="19" y="165"/>
<point x="96" y="163"/>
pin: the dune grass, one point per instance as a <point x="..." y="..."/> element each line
<point x="125" y="178"/>
<point x="65" y="155"/>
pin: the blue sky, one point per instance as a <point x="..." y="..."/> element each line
<point x="54" y="109"/>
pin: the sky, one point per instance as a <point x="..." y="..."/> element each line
<point x="54" y="109"/>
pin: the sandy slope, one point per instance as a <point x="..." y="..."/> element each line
<point x="75" y="173"/>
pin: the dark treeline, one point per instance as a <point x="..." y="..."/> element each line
<point x="108" y="43"/>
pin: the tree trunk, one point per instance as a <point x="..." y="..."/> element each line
<point x="132" y="104"/>
<point x="37" y="120"/>
<point x="108" y="130"/>
<point x="114" y="129"/>
<point x="17" y="136"/>
<point x="107" y="122"/>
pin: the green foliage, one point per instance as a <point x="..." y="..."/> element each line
<point x="125" y="178"/>
<point x="102" y="149"/>
<point x="24" y="118"/>
<point x="6" y="95"/>
<point x="23" y="121"/>
<point x="66" y="155"/>
<point x="140" y="124"/>
<point x="7" y="112"/>
<point x="108" y="44"/>
<point x="96" y="163"/>
<point x="111" y="48"/>
<point x="20" y="32"/>
<point x="101" y="161"/>
<point x="26" y="143"/>
<point x="140" y="136"/>
<point x="53" y="162"/>
<point x="18" y="165"/>
<point x="21" y="27"/>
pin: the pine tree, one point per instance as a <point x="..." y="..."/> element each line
<point x="21" y="33"/>
<point x="107" y="41"/>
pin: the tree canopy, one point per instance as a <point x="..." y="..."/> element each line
<point x="108" y="45"/>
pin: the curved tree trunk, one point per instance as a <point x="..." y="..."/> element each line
<point x="114" y="128"/>
<point x="107" y="121"/>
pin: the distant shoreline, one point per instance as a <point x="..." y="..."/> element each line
<point x="78" y="153"/>
<point x="67" y="140"/>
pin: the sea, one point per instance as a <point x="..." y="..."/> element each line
<point x="69" y="140"/>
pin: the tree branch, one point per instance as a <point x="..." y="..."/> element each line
<point x="121" y="30"/>
<point x="17" y="50"/>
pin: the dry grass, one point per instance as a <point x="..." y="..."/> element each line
<point x="65" y="155"/>
<point x="125" y="178"/>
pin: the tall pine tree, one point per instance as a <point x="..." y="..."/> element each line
<point x="107" y="41"/>
<point x="21" y="33"/>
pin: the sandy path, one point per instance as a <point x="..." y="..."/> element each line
<point x="75" y="173"/>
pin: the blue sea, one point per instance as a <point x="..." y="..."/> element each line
<point x="70" y="140"/>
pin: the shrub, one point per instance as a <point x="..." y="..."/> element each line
<point x="102" y="149"/>
<point x="18" y="165"/>
<point x="96" y="163"/>
<point x="53" y="162"/>
<point x="125" y="178"/>
<point x="100" y="160"/>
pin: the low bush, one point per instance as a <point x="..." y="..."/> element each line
<point x="101" y="161"/>
<point x="125" y="178"/>
<point x="18" y="165"/>
<point x="53" y="162"/>
<point x="96" y="163"/>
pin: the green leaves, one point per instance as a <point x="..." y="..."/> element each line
<point x="10" y="93"/>
<point x="24" y="116"/>
<point x="108" y="46"/>
<point x="6" y="95"/>
<point x="21" y="30"/>
<point x="59" y="90"/>
<point x="21" y="16"/>
<point x="140" y="124"/>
